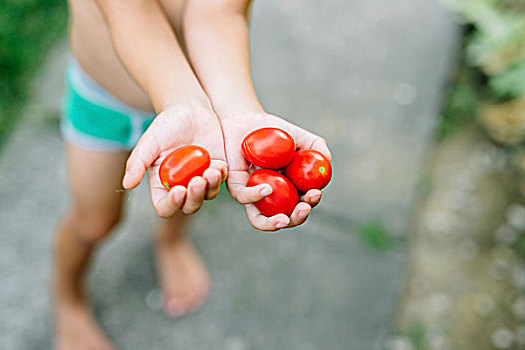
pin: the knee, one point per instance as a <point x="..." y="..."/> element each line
<point x="91" y="229"/>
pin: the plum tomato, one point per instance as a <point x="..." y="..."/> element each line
<point x="268" y="148"/>
<point x="309" y="170"/>
<point x="183" y="164"/>
<point x="284" y="197"/>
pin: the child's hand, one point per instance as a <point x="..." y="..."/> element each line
<point x="171" y="129"/>
<point x="235" y="129"/>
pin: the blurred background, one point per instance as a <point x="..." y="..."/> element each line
<point x="418" y="242"/>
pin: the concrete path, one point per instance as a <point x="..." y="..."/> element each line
<point x="367" y="75"/>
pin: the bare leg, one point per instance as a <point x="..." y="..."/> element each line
<point x="95" y="183"/>
<point x="183" y="276"/>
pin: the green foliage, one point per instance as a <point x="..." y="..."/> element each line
<point x="461" y="103"/>
<point x="28" y="29"/>
<point x="510" y="83"/>
<point x="519" y="246"/>
<point x="495" y="48"/>
<point x="375" y="234"/>
<point x="417" y="334"/>
<point x="499" y="32"/>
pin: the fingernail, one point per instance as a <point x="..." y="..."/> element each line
<point x="303" y="213"/>
<point x="280" y="225"/>
<point x="315" y="198"/>
<point x="125" y="177"/>
<point x="266" y="190"/>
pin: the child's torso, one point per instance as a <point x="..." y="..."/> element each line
<point x="92" y="46"/>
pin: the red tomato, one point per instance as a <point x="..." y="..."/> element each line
<point x="309" y="170"/>
<point x="183" y="164"/>
<point x="268" y="148"/>
<point x="284" y="197"/>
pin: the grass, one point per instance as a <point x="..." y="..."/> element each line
<point x="375" y="234"/>
<point x="28" y="29"/>
<point x="461" y="103"/>
<point x="519" y="246"/>
<point x="417" y="334"/>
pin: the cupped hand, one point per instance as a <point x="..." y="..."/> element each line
<point x="235" y="129"/>
<point x="173" y="128"/>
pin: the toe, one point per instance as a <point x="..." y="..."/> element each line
<point x="175" y="307"/>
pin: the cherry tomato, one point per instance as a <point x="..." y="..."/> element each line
<point x="309" y="170"/>
<point x="284" y="197"/>
<point x="268" y="148"/>
<point x="183" y="164"/>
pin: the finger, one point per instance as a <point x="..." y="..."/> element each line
<point x="194" y="195"/>
<point x="166" y="203"/>
<point x="237" y="187"/>
<point x="140" y="159"/>
<point x="312" y="197"/>
<point x="299" y="214"/>
<point x="319" y="144"/>
<point x="247" y="195"/>
<point x="264" y="223"/>
<point x="222" y="167"/>
<point x="307" y="140"/>
<point x="213" y="178"/>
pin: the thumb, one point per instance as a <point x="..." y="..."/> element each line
<point x="140" y="159"/>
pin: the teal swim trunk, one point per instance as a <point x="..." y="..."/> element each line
<point x="94" y="119"/>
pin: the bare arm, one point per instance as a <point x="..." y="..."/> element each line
<point x="216" y="36"/>
<point x="149" y="50"/>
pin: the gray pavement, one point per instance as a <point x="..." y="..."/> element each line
<point x="368" y="76"/>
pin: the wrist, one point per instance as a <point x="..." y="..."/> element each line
<point x="196" y="110"/>
<point x="238" y="110"/>
<point x="186" y="99"/>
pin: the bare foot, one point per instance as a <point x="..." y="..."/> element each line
<point x="76" y="328"/>
<point x="184" y="279"/>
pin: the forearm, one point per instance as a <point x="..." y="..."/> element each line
<point x="217" y="43"/>
<point x="148" y="49"/>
